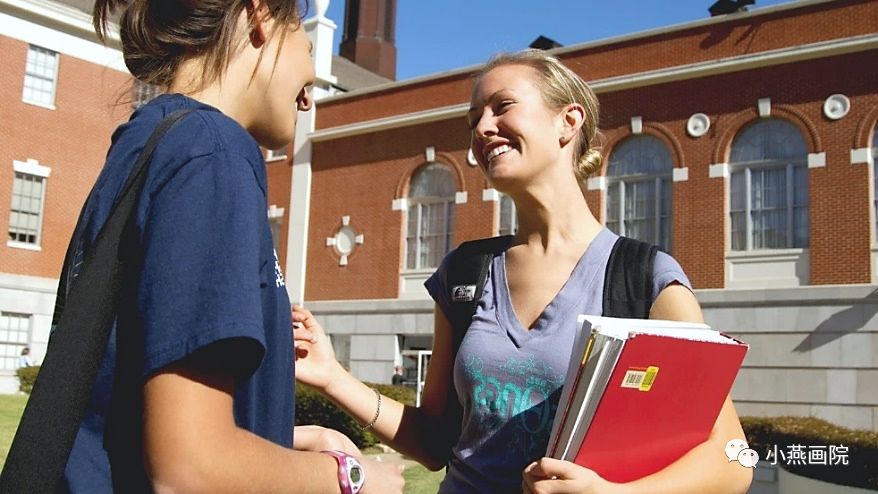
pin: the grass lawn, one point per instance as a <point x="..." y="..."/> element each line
<point x="419" y="480"/>
<point x="11" y="407"/>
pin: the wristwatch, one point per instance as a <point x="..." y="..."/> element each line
<point x="351" y="475"/>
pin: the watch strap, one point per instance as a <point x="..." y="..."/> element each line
<point x="345" y="480"/>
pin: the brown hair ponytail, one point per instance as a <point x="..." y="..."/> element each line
<point x="157" y="35"/>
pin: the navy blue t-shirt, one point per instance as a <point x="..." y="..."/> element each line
<point x="210" y="282"/>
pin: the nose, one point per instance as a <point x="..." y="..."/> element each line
<point x="304" y="100"/>
<point x="485" y="127"/>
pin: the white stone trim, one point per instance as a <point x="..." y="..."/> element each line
<point x="817" y="160"/>
<point x="636" y="125"/>
<point x="696" y="70"/>
<point x="681" y="174"/>
<point x="764" y="106"/>
<point x="597" y="183"/>
<point x="24" y="245"/>
<point x="401" y="204"/>
<point x="430" y="154"/>
<point x="861" y="155"/>
<point x="600" y="43"/>
<point x="460" y="197"/>
<point x="718" y="170"/>
<point x="31" y="167"/>
<point x="71" y="32"/>
<point x="490" y="195"/>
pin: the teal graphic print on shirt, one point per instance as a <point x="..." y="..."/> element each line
<point x="518" y="396"/>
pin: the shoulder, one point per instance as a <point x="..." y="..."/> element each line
<point x="667" y="270"/>
<point x="205" y="136"/>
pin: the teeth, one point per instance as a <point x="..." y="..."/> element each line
<point x="497" y="151"/>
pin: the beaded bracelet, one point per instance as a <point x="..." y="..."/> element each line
<point x="377" y="411"/>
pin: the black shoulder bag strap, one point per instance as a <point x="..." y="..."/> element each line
<point x="61" y="393"/>
<point x="628" y="279"/>
<point x="465" y="280"/>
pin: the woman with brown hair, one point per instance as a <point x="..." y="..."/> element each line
<point x="196" y="389"/>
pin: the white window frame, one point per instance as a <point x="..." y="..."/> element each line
<point x="6" y="341"/>
<point x="34" y="75"/>
<point x="747" y="167"/>
<point x="659" y="179"/>
<point x="277" y="154"/>
<point x="143" y="93"/>
<point x="875" y="185"/>
<point x="417" y="204"/>
<point x="512" y="227"/>
<point x="33" y="169"/>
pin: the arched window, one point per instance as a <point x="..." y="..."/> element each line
<point x="430" y="216"/>
<point x="769" y="187"/>
<point x="875" y="173"/>
<point x="639" y="189"/>
<point x="508" y="218"/>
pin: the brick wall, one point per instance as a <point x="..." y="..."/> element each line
<point x="72" y="140"/>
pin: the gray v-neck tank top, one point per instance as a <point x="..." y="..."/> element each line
<point x="508" y="378"/>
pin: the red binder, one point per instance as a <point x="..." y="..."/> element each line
<point x="662" y="398"/>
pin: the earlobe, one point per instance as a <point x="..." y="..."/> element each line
<point x="574" y="117"/>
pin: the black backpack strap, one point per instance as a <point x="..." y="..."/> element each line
<point x="62" y="391"/>
<point x="465" y="280"/>
<point x="628" y="279"/>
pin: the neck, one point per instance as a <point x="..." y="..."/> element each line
<point x="554" y="213"/>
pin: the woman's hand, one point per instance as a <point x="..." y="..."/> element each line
<point x="551" y="476"/>
<point x="317" y="438"/>
<point x="315" y="359"/>
<point x="382" y="478"/>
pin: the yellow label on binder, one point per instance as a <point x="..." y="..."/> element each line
<point x="639" y="378"/>
<point x="649" y="378"/>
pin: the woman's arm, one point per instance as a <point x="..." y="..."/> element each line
<point x="191" y="444"/>
<point x="704" y="468"/>
<point x="423" y="433"/>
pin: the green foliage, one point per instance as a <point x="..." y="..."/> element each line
<point x="26" y="377"/>
<point x="763" y="433"/>
<point x="314" y="408"/>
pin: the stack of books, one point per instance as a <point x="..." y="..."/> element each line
<point x="640" y="393"/>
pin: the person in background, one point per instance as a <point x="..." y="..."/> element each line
<point x="24" y="360"/>
<point x="398" y="378"/>
<point x="533" y="126"/>
<point x="196" y="389"/>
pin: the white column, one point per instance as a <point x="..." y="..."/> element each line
<point x="320" y="30"/>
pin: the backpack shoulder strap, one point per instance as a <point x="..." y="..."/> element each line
<point x="465" y="279"/>
<point x="628" y="279"/>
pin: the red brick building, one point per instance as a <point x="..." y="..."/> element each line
<point x="742" y="143"/>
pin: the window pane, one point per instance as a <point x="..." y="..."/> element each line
<point x="14" y="335"/>
<point x="40" y="72"/>
<point x="428" y="235"/>
<point x="25" y="208"/>
<point x="639" y="205"/>
<point x="769" y="140"/>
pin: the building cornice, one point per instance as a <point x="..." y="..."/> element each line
<point x="604" y="42"/>
<point x="60" y="17"/>
<point x="823" y="49"/>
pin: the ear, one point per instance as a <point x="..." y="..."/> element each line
<point x="572" y="118"/>
<point x="256" y="17"/>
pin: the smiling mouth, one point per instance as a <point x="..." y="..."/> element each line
<point x="497" y="151"/>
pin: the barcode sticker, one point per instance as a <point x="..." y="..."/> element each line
<point x="640" y="379"/>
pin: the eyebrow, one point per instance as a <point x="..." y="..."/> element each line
<point x="311" y="47"/>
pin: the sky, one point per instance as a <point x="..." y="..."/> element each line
<point x="438" y="35"/>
